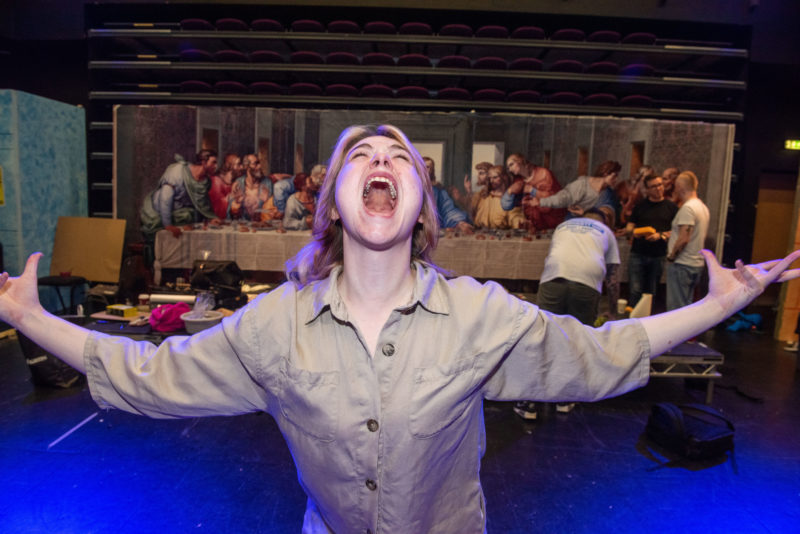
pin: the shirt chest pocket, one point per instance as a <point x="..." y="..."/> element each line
<point x="309" y="400"/>
<point x="439" y="396"/>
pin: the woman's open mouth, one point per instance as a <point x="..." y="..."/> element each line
<point x="380" y="193"/>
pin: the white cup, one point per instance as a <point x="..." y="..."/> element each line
<point x="621" y="305"/>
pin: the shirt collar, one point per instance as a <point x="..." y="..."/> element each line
<point x="428" y="293"/>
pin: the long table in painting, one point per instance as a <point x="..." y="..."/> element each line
<point x="497" y="255"/>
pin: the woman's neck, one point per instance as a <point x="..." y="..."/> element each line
<point x="373" y="278"/>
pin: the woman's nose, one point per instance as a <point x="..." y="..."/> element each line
<point x="381" y="159"/>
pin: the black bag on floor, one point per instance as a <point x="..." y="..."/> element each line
<point x="46" y="369"/>
<point x="223" y="278"/>
<point x="694" y="431"/>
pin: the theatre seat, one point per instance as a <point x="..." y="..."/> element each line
<point x="455" y="30"/>
<point x="380" y="27"/>
<point x="341" y="89"/>
<point x="305" y="89"/>
<point x="231" y="25"/>
<point x="603" y="67"/>
<point x="306" y="57"/>
<point x="307" y="26"/>
<point x="637" y="101"/>
<point x="639" y="38"/>
<point x="489" y="94"/>
<point x="413" y="60"/>
<point x="266" y="88"/>
<point x="565" y="97"/>
<point x="568" y="34"/>
<point x="492" y="31"/>
<point x="412" y="91"/>
<point x="267" y="25"/>
<point x="526" y="63"/>
<point x="230" y="87"/>
<point x="266" y="56"/>
<point x="195" y="86"/>
<point x="230" y="56"/>
<point x="528" y="32"/>
<point x="453" y="93"/>
<point x="415" y="28"/>
<point x="378" y="59"/>
<point x="376" y="90"/>
<point x="604" y="36"/>
<point x="566" y="65"/>
<point x="600" y="99"/>
<point x="524" y="95"/>
<point x="454" y="62"/>
<point x="490" y="62"/>
<point x="343" y="26"/>
<point x="342" y="58"/>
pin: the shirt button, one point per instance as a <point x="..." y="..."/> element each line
<point x="388" y="350"/>
<point x="371" y="484"/>
<point x="372" y="425"/>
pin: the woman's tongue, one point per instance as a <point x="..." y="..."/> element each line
<point x="379" y="199"/>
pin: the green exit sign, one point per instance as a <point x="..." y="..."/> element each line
<point x="793" y="144"/>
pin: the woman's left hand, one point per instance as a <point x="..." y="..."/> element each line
<point x="733" y="289"/>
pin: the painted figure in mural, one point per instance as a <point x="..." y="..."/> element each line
<point x="469" y="200"/>
<point x="527" y="178"/>
<point x="301" y="205"/>
<point x="249" y="192"/>
<point x="686" y="240"/>
<point x="450" y="215"/>
<point x="279" y="181"/>
<point x="181" y="196"/>
<point x="669" y="175"/>
<point x="222" y="183"/>
<point x="583" y="193"/>
<point x="489" y="212"/>
<point x="630" y="192"/>
<point x="653" y="218"/>
<point x="372" y="362"/>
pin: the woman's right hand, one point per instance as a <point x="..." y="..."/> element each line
<point x="19" y="295"/>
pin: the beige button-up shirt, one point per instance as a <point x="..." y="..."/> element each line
<point x="390" y="442"/>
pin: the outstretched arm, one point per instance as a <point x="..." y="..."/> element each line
<point x="20" y="307"/>
<point x="729" y="291"/>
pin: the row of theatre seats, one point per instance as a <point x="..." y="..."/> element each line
<point x="418" y="28"/>
<point x="413" y="91"/>
<point x="381" y="59"/>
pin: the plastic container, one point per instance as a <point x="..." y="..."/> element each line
<point x="194" y="325"/>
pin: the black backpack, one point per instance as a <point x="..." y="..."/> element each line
<point x="694" y="431"/>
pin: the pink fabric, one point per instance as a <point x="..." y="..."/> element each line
<point x="167" y="317"/>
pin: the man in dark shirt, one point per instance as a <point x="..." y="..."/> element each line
<point x="649" y="248"/>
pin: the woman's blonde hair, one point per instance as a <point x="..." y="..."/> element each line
<point x="316" y="260"/>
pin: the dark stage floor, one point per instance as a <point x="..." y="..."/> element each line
<point x="589" y="471"/>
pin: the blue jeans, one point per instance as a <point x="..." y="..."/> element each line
<point x="644" y="274"/>
<point x="681" y="281"/>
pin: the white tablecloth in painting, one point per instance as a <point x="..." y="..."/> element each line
<point x="491" y="256"/>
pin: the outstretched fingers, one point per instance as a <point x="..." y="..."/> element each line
<point x="791" y="274"/>
<point x="777" y="269"/>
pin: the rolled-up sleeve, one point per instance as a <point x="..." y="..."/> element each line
<point x="556" y="358"/>
<point x="219" y="371"/>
